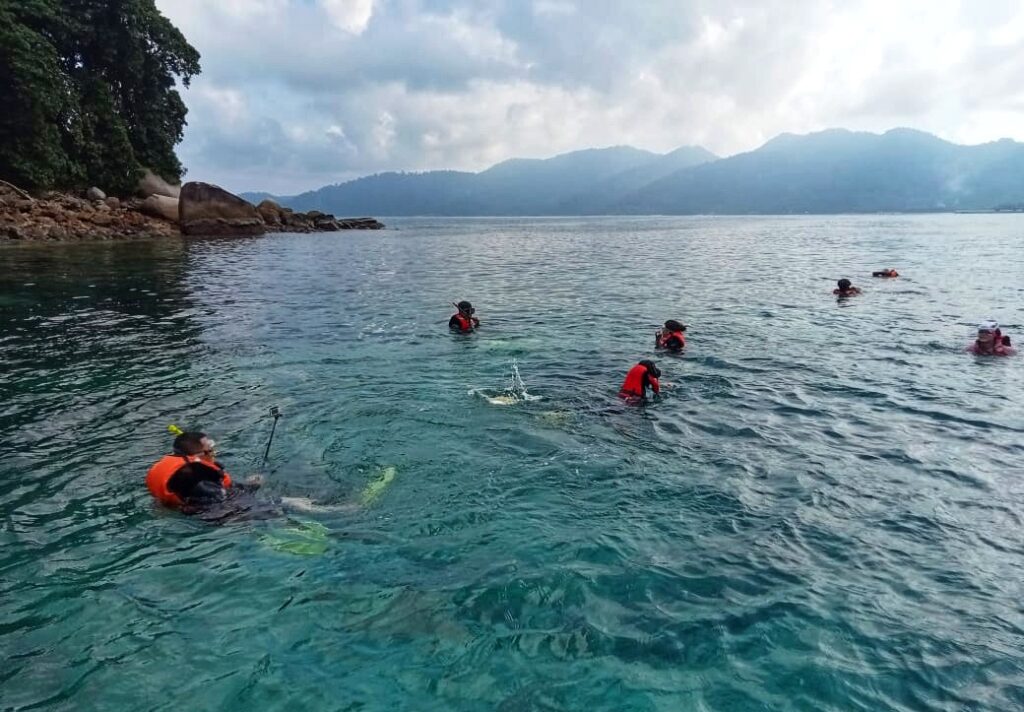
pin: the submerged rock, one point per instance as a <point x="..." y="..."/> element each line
<point x="360" y="224"/>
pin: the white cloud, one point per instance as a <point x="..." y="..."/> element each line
<point x="350" y="15"/>
<point x="322" y="90"/>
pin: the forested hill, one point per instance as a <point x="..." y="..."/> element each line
<point x="840" y="171"/>
<point x="87" y="93"/>
<point x="578" y="182"/>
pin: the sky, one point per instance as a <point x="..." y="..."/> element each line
<point x="297" y="94"/>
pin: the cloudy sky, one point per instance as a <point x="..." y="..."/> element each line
<point x="296" y="94"/>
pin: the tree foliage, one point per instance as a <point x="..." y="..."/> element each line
<point x="88" y="90"/>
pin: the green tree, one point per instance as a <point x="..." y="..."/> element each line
<point x="36" y="97"/>
<point x="92" y="85"/>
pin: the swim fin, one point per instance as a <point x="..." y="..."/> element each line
<point x="375" y="488"/>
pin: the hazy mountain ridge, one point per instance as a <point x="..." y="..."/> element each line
<point x="554" y="186"/>
<point x="833" y="171"/>
<point x="841" y="171"/>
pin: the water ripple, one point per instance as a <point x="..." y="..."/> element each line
<point x="822" y="513"/>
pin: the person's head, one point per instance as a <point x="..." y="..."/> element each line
<point x="844" y="285"/>
<point x="987" y="332"/>
<point x="672" y="326"/>
<point x="194" y="444"/>
<point x="465" y="308"/>
<point x="652" y="368"/>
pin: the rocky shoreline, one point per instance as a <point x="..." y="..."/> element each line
<point x="167" y="211"/>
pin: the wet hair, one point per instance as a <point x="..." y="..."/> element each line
<point x="189" y="443"/>
<point x="673" y="325"/>
<point x="652" y="368"/>
<point x="845" y="284"/>
<point x="465" y="306"/>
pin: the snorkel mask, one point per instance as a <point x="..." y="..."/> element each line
<point x="988" y="327"/>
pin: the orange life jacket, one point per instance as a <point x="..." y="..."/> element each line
<point x="162" y="472"/>
<point x="634" y="383"/>
<point x="999" y="348"/>
<point x="465" y="322"/>
<point x="664" y="338"/>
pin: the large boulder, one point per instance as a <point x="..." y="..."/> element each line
<point x="152" y="184"/>
<point x="160" y="206"/>
<point x="95" y="194"/>
<point x="271" y="212"/>
<point x="206" y="209"/>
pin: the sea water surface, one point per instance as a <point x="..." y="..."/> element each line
<point x="824" y="512"/>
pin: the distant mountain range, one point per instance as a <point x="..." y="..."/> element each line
<point x="834" y="171"/>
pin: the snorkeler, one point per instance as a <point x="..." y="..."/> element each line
<point x="846" y="289"/>
<point x="644" y="374"/>
<point x="191" y="481"/>
<point x="991" y="341"/>
<point x="672" y="337"/>
<point x="190" y="478"/>
<point x="888" y="273"/>
<point x="464" y="321"/>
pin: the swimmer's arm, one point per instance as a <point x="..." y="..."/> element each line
<point x="654" y="385"/>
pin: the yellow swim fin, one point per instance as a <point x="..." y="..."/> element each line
<point x="306" y="539"/>
<point x="376" y="487"/>
<point x="175" y="430"/>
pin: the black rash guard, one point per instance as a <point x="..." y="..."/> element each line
<point x="196" y="482"/>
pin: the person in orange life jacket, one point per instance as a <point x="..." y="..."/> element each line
<point x="464" y="321"/>
<point x="846" y="289"/>
<point x="191" y="479"/>
<point x="886" y="273"/>
<point x="645" y="374"/>
<point x="672" y="337"/>
<point x="991" y="341"/>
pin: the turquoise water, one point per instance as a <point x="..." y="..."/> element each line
<point x="823" y="513"/>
